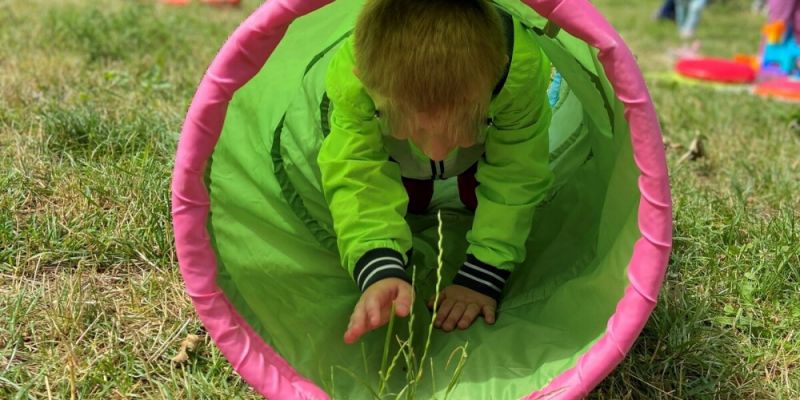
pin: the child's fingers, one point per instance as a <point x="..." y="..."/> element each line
<point x="444" y="311"/>
<point x="402" y="303"/>
<point x="358" y="313"/>
<point x="352" y="335"/>
<point x="455" y="314"/>
<point x="373" y="306"/>
<point x="470" y="314"/>
<point x="432" y="299"/>
<point x="488" y="313"/>
<point x="356" y="327"/>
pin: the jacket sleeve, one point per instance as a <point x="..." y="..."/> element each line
<point x="362" y="187"/>
<point x="514" y="177"/>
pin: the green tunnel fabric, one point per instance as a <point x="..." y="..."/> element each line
<point x="272" y="235"/>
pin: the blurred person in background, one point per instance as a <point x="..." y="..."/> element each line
<point x="758" y="6"/>
<point x="687" y="16"/>
<point x="788" y="12"/>
<point x="666" y="11"/>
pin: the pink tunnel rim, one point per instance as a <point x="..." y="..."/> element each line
<point x="242" y="57"/>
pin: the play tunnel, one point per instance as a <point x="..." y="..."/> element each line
<point x="257" y="251"/>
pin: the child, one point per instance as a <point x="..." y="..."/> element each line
<point x="424" y="90"/>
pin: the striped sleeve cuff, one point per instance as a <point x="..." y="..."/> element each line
<point x="482" y="278"/>
<point x="379" y="264"/>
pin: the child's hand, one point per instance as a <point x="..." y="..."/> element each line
<point x="375" y="305"/>
<point x="461" y="305"/>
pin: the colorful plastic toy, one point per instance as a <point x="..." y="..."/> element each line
<point x="775" y="74"/>
<point x="716" y="70"/>
<point x="781" y="88"/>
<point x="781" y="56"/>
<point x="256" y="250"/>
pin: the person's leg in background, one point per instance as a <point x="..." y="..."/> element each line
<point x="680" y="12"/>
<point x="666" y="11"/>
<point x="682" y="21"/>
<point x="758" y="6"/>
<point x="693" y="10"/>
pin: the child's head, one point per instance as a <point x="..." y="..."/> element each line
<point x="430" y="66"/>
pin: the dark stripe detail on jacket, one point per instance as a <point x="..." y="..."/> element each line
<point x="379" y="264"/>
<point x="482" y="278"/>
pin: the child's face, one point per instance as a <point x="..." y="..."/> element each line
<point x="428" y="138"/>
<point x="425" y="131"/>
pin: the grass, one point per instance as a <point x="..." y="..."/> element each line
<point x="407" y="348"/>
<point x="92" y="95"/>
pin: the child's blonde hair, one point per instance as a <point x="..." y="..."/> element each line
<point x="437" y="57"/>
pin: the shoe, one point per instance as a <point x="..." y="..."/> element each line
<point x="686" y="51"/>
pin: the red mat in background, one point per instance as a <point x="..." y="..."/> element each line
<point x="716" y="70"/>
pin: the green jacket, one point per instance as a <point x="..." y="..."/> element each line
<point x="368" y="201"/>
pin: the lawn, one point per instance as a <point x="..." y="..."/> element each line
<point x="92" y="96"/>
